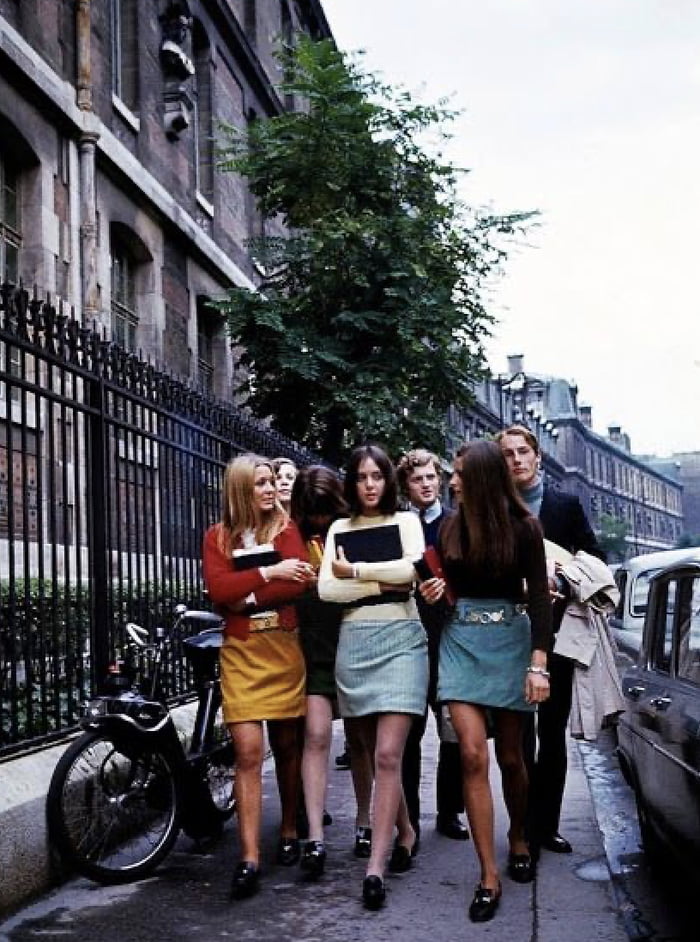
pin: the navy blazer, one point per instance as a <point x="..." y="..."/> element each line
<point x="564" y="522"/>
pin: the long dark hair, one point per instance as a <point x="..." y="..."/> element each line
<point x="389" y="501"/>
<point x="483" y="533"/>
<point x="317" y="492"/>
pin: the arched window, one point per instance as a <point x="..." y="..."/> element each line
<point x="125" y="58"/>
<point x="203" y="125"/>
<point x="10" y="221"/>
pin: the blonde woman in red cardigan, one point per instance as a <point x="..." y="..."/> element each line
<point x="255" y="566"/>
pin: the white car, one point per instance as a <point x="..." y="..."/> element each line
<point x="632" y="579"/>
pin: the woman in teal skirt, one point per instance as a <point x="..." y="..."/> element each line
<point x="382" y="660"/>
<point x="493" y="650"/>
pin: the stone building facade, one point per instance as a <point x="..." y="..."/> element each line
<point x="601" y="470"/>
<point x="111" y="200"/>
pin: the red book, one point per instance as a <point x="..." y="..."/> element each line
<point x="430" y="567"/>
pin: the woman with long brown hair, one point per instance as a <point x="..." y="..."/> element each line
<point x="255" y="566"/>
<point x="493" y="651"/>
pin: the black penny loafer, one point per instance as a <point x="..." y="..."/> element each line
<point x="450" y="826"/>
<point x="313" y="860"/>
<point x="401" y="859"/>
<point x="245" y="881"/>
<point x="521" y="868"/>
<point x="363" y="842"/>
<point x="556" y="843"/>
<point x="373" y="892"/>
<point x="485" y="903"/>
<point x="288" y="851"/>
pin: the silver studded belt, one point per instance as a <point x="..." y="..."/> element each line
<point x="490" y="617"/>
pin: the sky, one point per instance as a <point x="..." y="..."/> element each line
<point x="588" y="111"/>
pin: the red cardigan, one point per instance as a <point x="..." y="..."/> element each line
<point x="226" y="586"/>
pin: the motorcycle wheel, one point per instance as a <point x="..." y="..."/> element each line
<point x="112" y="809"/>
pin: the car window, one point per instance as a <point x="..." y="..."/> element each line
<point x="640" y="592"/>
<point x="664" y="615"/>
<point x="621" y="582"/>
<point x="689" y="636"/>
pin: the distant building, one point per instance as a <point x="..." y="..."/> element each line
<point x="600" y="470"/>
<point x="685" y="467"/>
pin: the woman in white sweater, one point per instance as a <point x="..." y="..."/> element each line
<point x="382" y="659"/>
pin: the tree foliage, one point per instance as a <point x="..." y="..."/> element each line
<point x="612" y="537"/>
<point x="371" y="315"/>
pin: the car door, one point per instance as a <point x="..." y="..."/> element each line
<point x="666" y="713"/>
<point x="646" y="689"/>
<point x="679" y="723"/>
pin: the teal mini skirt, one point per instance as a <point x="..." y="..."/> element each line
<point x="484" y="655"/>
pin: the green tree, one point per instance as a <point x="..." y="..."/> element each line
<point x="686" y="540"/>
<point x="612" y="537"/>
<point x="371" y="315"/>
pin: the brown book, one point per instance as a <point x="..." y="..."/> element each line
<point x="430" y="567"/>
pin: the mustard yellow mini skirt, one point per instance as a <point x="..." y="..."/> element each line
<point x="263" y="678"/>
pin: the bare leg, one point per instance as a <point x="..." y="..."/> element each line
<point x="509" y="755"/>
<point x="314" y="763"/>
<point x="249" y="749"/>
<point x="470" y="725"/>
<point x="285" y="742"/>
<point x="361" y="743"/>
<point x="391" y="732"/>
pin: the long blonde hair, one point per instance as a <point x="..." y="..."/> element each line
<point x="238" y="511"/>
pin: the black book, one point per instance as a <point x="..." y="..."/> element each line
<point x="256" y="556"/>
<point x="371" y="544"/>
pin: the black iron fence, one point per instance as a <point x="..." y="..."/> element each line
<point x="109" y="474"/>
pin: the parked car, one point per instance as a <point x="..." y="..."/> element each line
<point x="632" y="579"/>
<point x="659" y="734"/>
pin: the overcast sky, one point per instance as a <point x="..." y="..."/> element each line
<point x="589" y="111"/>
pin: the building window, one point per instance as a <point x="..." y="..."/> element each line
<point x="125" y="60"/>
<point x="124" y="317"/>
<point x="10" y="225"/>
<point x="206" y="331"/>
<point x="203" y="124"/>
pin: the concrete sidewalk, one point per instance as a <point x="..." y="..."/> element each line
<point x="571" y="898"/>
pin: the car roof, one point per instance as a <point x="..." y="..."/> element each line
<point x="660" y="560"/>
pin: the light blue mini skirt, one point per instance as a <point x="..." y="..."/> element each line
<point x="382" y="667"/>
<point x="484" y="655"/>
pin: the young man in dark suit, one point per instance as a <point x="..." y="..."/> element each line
<point x="419" y="478"/>
<point x="564" y="522"/>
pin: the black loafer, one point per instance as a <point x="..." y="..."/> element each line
<point x="373" y="892"/>
<point x="485" y="903"/>
<point x="401" y="859"/>
<point x="521" y="868"/>
<point x="363" y="842"/>
<point x="556" y="843"/>
<point x="450" y="826"/>
<point x="313" y="860"/>
<point x="288" y="851"/>
<point x="245" y="881"/>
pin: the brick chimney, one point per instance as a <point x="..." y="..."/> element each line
<point x="615" y="434"/>
<point x="584" y="414"/>
<point x="515" y="363"/>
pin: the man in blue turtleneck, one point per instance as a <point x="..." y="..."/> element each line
<point x="563" y="522"/>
